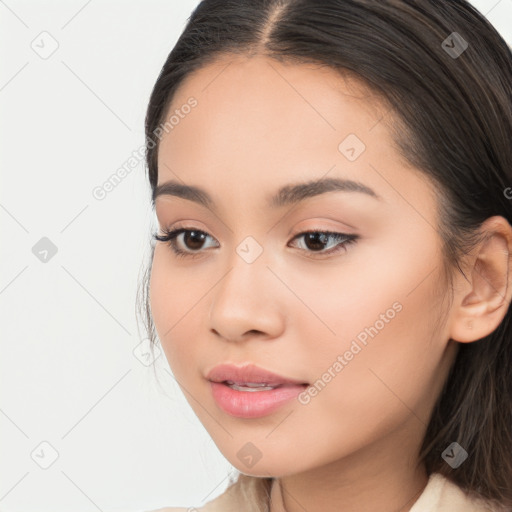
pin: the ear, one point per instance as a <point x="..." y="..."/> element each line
<point x="481" y="303"/>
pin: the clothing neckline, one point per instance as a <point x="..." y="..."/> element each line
<point x="431" y="492"/>
<point x="249" y="493"/>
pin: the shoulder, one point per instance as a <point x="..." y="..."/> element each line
<point x="172" y="509"/>
<point x="442" y="495"/>
<point x="247" y="493"/>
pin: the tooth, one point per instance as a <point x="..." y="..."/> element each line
<point x="250" y="388"/>
<point x="248" y="384"/>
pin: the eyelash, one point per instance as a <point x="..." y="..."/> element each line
<point x="170" y="236"/>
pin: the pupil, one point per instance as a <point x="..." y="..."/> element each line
<point x="319" y="238"/>
<point x="191" y="235"/>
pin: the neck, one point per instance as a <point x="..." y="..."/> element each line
<point x="361" y="482"/>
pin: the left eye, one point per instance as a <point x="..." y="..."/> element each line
<point x="319" y="239"/>
<point x="315" y="241"/>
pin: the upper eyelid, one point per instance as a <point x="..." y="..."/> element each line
<point x="292" y="233"/>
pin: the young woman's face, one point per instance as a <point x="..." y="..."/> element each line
<point x="359" y="321"/>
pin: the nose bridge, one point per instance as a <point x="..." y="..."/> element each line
<point x="247" y="272"/>
<point x="243" y="301"/>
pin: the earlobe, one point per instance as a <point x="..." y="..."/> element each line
<point x="482" y="305"/>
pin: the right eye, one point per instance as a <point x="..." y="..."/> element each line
<point x="193" y="237"/>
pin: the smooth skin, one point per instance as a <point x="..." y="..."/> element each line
<point x="259" y="125"/>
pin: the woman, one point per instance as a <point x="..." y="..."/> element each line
<point x="331" y="278"/>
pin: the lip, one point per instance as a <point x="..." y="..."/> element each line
<point x="248" y="373"/>
<point x="251" y="404"/>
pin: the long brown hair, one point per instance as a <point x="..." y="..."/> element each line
<point x="447" y="75"/>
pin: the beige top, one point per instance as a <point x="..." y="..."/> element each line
<point x="250" y="494"/>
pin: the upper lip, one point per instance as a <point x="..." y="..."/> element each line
<point x="248" y="373"/>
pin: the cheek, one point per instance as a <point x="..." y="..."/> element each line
<point x="173" y="301"/>
<point x="383" y="319"/>
<point x="159" y="295"/>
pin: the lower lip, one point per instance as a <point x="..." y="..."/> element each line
<point x="253" y="404"/>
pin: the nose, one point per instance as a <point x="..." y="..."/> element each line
<point x="246" y="302"/>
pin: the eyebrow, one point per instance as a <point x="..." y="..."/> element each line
<point x="289" y="194"/>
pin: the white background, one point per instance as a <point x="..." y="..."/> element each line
<point x="69" y="376"/>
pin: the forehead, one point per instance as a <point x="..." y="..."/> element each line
<point x="263" y="78"/>
<point x="258" y="124"/>
<point x="257" y="108"/>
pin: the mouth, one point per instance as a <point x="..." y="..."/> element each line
<point x="250" y="377"/>
<point x="257" y="386"/>
<point x="250" y="400"/>
<point x="250" y="391"/>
